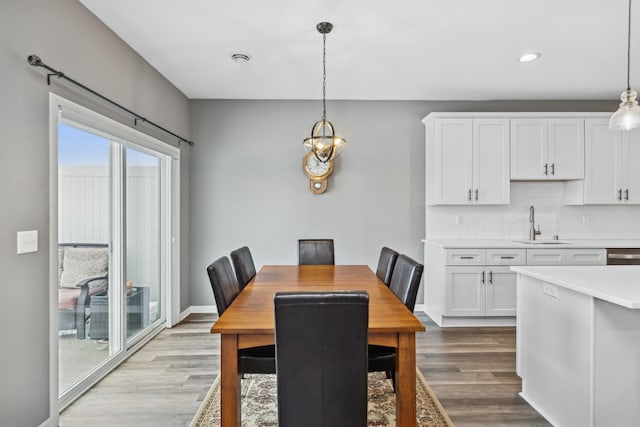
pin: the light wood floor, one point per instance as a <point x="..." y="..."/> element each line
<point x="471" y="370"/>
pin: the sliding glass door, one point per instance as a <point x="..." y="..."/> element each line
<point x="114" y="234"/>
<point x="143" y="302"/>
<point x="84" y="236"/>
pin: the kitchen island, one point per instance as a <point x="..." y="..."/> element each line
<point x="578" y="343"/>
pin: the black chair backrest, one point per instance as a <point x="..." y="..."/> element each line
<point x="315" y="252"/>
<point x="243" y="264"/>
<point x="321" y="358"/>
<point x="223" y="282"/>
<point x="405" y="280"/>
<point x="386" y="262"/>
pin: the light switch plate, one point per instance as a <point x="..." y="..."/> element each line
<point x="27" y="241"/>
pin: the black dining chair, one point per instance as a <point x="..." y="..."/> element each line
<point x="254" y="360"/>
<point x="244" y="266"/>
<point x="321" y="358"/>
<point x="404" y="283"/>
<point x="386" y="262"/>
<point x="315" y="252"/>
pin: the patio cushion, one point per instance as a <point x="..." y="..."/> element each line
<point x="68" y="297"/>
<point x="83" y="263"/>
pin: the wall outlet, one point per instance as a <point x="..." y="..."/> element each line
<point x="27" y="241"/>
<point x="587" y="219"/>
<point x="459" y="219"/>
<point x="549" y="289"/>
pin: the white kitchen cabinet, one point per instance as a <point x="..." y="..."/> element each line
<point x="547" y="149"/>
<point x="546" y="257"/>
<point x="481" y="290"/>
<point x="465" y="291"/>
<point x="586" y="257"/>
<point x="611" y="173"/>
<point x="468" y="161"/>
<point x="500" y="291"/>
<point x="557" y="256"/>
<point x="474" y="286"/>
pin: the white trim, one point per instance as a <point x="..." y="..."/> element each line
<point x="80" y="116"/>
<point x="172" y="309"/>
<point x="53" y="264"/>
<point x="46" y="423"/>
<point x="507" y="115"/>
<point x="471" y="322"/>
<point x="206" y="309"/>
<point x="420" y="307"/>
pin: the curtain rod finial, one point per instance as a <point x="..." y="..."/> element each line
<point x="34" y="60"/>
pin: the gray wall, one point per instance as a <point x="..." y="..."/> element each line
<point x="248" y="187"/>
<point x="69" y="38"/>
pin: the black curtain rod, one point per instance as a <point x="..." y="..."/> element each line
<point x="37" y="62"/>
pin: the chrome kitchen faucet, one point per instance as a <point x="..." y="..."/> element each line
<point x="532" y="228"/>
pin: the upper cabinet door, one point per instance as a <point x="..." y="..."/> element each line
<point x="602" y="163"/>
<point x="630" y="168"/>
<point x="547" y="149"/>
<point x="528" y="149"/>
<point x="491" y="161"/>
<point x="565" y="149"/>
<point x="452" y="179"/>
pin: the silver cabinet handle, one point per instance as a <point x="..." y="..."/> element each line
<point x="626" y="194"/>
<point x="623" y="256"/>
<point x="482" y="277"/>
<point x="507" y="257"/>
<point x="620" y="194"/>
<point x="546" y="169"/>
<point x="477" y="194"/>
<point x="491" y="277"/>
<point x="469" y="196"/>
<point x="553" y="168"/>
<point x="466" y="257"/>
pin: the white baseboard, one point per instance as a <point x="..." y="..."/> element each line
<point x="46" y="423"/>
<point x="420" y="307"/>
<point x="208" y="309"/>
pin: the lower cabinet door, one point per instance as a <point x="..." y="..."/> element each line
<point x="465" y="291"/>
<point x="501" y="291"/>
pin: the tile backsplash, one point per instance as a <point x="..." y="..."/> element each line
<point x="554" y="217"/>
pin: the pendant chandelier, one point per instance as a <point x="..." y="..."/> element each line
<point x="323" y="141"/>
<point x="628" y="115"/>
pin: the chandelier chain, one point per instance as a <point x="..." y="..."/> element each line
<point x="324" y="77"/>
<point x="629" y="49"/>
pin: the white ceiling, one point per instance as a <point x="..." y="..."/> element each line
<point x="383" y="49"/>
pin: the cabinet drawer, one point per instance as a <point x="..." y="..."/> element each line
<point x="586" y="256"/>
<point x="546" y="257"/>
<point x="506" y="256"/>
<point x="465" y="256"/>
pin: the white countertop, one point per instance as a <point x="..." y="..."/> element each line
<point x="510" y="244"/>
<point x="617" y="284"/>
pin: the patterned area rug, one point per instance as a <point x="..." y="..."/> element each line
<point x="260" y="406"/>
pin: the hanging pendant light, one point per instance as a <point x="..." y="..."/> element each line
<point x="323" y="141"/>
<point x="628" y="115"/>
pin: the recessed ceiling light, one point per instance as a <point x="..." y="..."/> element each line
<point x="241" y="57"/>
<point x="529" y="57"/>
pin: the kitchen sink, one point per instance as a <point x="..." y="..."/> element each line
<point x="543" y="242"/>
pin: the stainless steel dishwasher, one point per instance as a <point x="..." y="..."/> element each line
<point x="623" y="256"/>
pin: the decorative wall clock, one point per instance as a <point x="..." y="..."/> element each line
<point x="317" y="171"/>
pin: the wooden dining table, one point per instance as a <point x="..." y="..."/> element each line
<point x="249" y="322"/>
